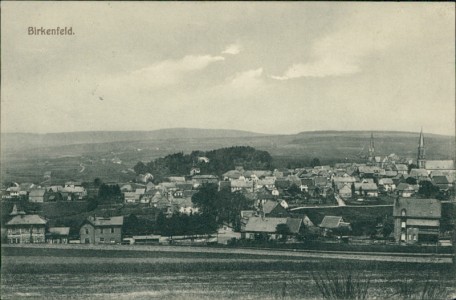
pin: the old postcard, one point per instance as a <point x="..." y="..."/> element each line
<point x="227" y="150"/>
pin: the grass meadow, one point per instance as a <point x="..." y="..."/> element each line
<point x="40" y="273"/>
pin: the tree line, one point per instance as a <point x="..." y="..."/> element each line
<point x="220" y="161"/>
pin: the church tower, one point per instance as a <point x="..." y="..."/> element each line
<point x="421" y="152"/>
<point x="371" y="148"/>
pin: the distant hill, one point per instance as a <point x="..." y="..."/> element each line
<point x="334" y="145"/>
<point x="114" y="160"/>
<point x="31" y="140"/>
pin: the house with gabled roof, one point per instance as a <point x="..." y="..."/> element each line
<point x="25" y="228"/>
<point x="401" y="168"/>
<point x="131" y="197"/>
<point x="57" y="235"/>
<point x="272" y="208"/>
<point x="365" y="188"/>
<point x="266" y="227"/>
<point x="419" y="174"/>
<point x="434" y="165"/>
<point x="345" y="191"/>
<point x="331" y="223"/>
<point x="102" y="230"/>
<point x="406" y="190"/>
<point x="37" y="195"/>
<point x="442" y="182"/>
<point x="417" y="220"/>
<point x="239" y="185"/>
<point x="386" y="184"/>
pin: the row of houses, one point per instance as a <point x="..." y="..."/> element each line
<point x="70" y="191"/>
<point x="415" y="221"/>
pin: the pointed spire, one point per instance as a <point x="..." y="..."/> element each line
<point x="421" y="138"/>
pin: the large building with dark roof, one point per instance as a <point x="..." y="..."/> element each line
<point x="25" y="229"/>
<point x="416" y="220"/>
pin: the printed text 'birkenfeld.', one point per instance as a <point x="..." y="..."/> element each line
<point x="50" y="31"/>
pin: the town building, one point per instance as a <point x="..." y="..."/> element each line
<point x="24" y="228"/>
<point x="261" y="228"/>
<point x="416" y="220"/>
<point x="57" y="235"/>
<point x="333" y="224"/>
<point x="101" y="230"/>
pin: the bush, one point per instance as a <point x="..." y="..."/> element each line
<point x="342" y="284"/>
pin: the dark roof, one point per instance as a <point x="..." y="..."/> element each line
<point x="269" y="205"/>
<point x="59" y="230"/>
<point x="321" y="180"/>
<point x="205" y="177"/>
<point x="269" y="225"/>
<point x="27" y="220"/>
<point x="440" y="180"/>
<point x="101" y="221"/>
<point x="307" y="181"/>
<point x="418" y="208"/>
<point x="404" y="187"/>
<point x="401" y="167"/>
<point x="418" y="173"/>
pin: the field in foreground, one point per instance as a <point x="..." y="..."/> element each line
<point x="35" y="273"/>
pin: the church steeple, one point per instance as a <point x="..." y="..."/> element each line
<point x="421" y="152"/>
<point x="371" y="148"/>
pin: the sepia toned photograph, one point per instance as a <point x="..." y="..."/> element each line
<point x="228" y="150"/>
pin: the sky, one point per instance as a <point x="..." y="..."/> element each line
<point x="267" y="67"/>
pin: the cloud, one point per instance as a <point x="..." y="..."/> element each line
<point x="232" y="49"/>
<point x="358" y="36"/>
<point x="320" y="68"/>
<point x="246" y="78"/>
<point x="162" y="74"/>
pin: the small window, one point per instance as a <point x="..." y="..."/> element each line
<point x="101" y="240"/>
<point x="415" y="236"/>
<point x="409" y="237"/>
<point x="402" y="224"/>
<point x="101" y="230"/>
<point x="112" y="230"/>
<point x="403" y="212"/>
<point x="87" y="230"/>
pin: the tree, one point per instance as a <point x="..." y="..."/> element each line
<point x="283" y="230"/>
<point x="294" y="190"/>
<point x="427" y="189"/>
<point x="92" y="204"/>
<point x="412" y="166"/>
<point x="315" y="162"/>
<point x="97" y="182"/>
<point x="205" y="199"/>
<point x="223" y="205"/>
<point x="140" y="168"/>
<point x="410" y="180"/>
<point x="109" y="193"/>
